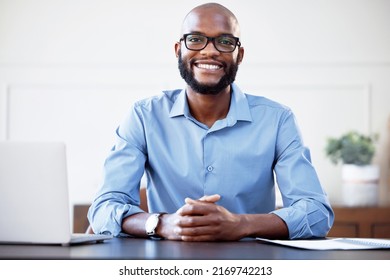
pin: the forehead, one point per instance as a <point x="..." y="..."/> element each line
<point x="210" y="22"/>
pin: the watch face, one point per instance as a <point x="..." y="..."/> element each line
<point x="151" y="224"/>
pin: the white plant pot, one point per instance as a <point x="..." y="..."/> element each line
<point x="360" y="185"/>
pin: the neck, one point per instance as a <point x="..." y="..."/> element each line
<point x="208" y="108"/>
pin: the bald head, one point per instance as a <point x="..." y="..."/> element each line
<point x="207" y="15"/>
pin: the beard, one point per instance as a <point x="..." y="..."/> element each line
<point x="188" y="75"/>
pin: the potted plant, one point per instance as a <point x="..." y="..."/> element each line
<point x="360" y="177"/>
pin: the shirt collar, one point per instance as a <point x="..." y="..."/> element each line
<point x="239" y="107"/>
<point x="180" y="106"/>
<point x="238" y="111"/>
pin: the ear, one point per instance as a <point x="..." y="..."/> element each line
<point x="177" y="49"/>
<point x="240" y="55"/>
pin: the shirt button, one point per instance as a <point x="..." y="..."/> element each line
<point x="210" y="168"/>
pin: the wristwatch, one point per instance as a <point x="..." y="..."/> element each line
<point x="152" y="224"/>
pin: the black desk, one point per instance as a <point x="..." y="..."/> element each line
<point x="144" y="249"/>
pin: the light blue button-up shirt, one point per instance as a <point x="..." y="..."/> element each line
<point x="238" y="157"/>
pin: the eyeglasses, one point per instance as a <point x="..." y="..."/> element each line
<point x="223" y="43"/>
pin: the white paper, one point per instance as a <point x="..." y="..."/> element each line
<point x="334" y="243"/>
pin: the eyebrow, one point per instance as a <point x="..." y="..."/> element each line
<point x="201" y="33"/>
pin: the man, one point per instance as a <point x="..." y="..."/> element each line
<point x="210" y="153"/>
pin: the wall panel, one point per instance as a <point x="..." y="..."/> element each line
<point x="84" y="117"/>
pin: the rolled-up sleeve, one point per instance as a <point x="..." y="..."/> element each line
<point x="307" y="211"/>
<point x="123" y="169"/>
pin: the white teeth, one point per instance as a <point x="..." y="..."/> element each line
<point x="209" y="66"/>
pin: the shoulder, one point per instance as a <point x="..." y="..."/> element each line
<point x="258" y="101"/>
<point x="165" y="98"/>
<point x="261" y="102"/>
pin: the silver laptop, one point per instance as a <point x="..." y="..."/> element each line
<point x="34" y="201"/>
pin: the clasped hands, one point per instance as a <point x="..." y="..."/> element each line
<point x="202" y="220"/>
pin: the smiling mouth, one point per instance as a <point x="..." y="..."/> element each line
<point x="208" y="66"/>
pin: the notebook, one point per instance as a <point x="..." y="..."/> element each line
<point x="34" y="201"/>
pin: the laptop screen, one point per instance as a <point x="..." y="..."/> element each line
<point x="34" y="193"/>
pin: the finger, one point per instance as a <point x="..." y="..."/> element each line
<point x="197" y="230"/>
<point x="180" y="210"/>
<point x="197" y="208"/>
<point x="210" y="198"/>
<point x="207" y="198"/>
<point x="190" y="209"/>
<point x="193" y="221"/>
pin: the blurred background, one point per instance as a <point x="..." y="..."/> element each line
<point x="70" y="70"/>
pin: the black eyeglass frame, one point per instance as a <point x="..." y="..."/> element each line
<point x="212" y="39"/>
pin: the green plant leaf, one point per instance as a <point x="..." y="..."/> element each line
<point x="351" y="148"/>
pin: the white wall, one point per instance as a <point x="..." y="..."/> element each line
<point x="69" y="70"/>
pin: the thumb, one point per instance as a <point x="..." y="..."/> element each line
<point x="207" y="198"/>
